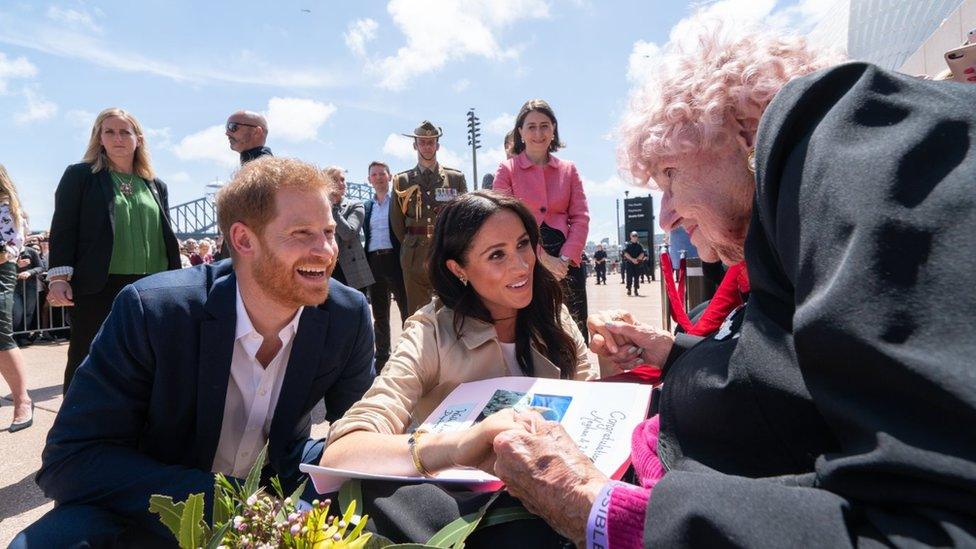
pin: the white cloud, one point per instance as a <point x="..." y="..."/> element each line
<point x="159" y="137"/>
<point x="735" y="16"/>
<point x="359" y="33"/>
<point x="489" y="159"/>
<point x="501" y="124"/>
<point x="449" y="158"/>
<point x="611" y="187"/>
<point x="80" y="118"/>
<point x="14" y="68"/>
<point x="72" y="18"/>
<point x="401" y="147"/>
<point x="289" y="119"/>
<point x="60" y="39"/>
<point x="438" y="31"/>
<point x="208" y="144"/>
<point x="295" y="119"/>
<point x="38" y="109"/>
<point x="461" y="85"/>
<point x="641" y="62"/>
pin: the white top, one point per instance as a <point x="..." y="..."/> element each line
<point x="252" y="394"/>
<point x="11" y="234"/>
<point x="508" y="351"/>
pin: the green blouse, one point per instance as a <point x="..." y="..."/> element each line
<point x="138" y="247"/>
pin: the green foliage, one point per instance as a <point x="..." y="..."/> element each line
<point x="253" y="481"/>
<point x="170" y="514"/>
<point x="247" y="516"/>
<point x="192" y="528"/>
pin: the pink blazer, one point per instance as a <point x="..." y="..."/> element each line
<point x="553" y="193"/>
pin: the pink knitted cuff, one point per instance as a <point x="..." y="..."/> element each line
<point x="625" y="520"/>
<point x="643" y="452"/>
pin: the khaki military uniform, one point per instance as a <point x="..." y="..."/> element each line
<point x="418" y="197"/>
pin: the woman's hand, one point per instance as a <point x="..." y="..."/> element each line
<point x="59" y="293"/>
<point x="618" y="337"/>
<point x="550" y="476"/>
<point x="654" y="345"/>
<point x="602" y="342"/>
<point x="474" y="446"/>
<point x="554" y="265"/>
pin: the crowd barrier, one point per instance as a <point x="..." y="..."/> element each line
<point x="43" y="318"/>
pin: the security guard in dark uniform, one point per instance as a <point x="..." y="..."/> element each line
<point x="419" y="195"/>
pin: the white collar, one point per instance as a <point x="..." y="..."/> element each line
<point x="250" y="338"/>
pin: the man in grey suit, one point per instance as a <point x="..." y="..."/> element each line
<point x="353" y="269"/>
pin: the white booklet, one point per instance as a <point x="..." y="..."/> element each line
<point x="600" y="417"/>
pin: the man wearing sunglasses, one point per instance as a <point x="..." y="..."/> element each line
<point x="247" y="131"/>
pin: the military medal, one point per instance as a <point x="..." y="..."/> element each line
<point x="445" y="194"/>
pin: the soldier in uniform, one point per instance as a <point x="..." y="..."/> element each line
<point x="419" y="194"/>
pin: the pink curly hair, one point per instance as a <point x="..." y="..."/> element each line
<point x="704" y="98"/>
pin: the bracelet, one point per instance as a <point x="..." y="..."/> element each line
<point x="597" y="531"/>
<point x="412" y="442"/>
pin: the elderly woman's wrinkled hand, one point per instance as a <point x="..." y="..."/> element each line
<point x="602" y="342"/>
<point x="616" y="336"/>
<point x="550" y="476"/>
<point x="474" y="447"/>
<point x="653" y="345"/>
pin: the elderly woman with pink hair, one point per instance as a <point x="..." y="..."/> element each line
<point x="836" y="408"/>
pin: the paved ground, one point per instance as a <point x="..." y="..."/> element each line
<point x="21" y="502"/>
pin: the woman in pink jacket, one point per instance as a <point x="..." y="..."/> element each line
<point x="553" y="191"/>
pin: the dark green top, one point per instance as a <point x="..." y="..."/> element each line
<point x="138" y="247"/>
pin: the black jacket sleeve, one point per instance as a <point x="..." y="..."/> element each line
<point x="67" y="217"/>
<point x="861" y="250"/>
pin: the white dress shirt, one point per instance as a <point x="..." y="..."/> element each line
<point x="252" y="394"/>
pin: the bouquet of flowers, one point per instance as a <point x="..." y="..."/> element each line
<point x="249" y="517"/>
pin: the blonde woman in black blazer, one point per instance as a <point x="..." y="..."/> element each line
<point x="112" y="193"/>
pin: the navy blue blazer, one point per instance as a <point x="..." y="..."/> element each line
<point x="367" y="229"/>
<point x="143" y="413"/>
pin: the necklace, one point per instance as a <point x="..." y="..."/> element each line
<point x="125" y="185"/>
<point x="504" y="318"/>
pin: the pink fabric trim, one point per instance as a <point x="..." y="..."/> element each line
<point x="628" y="504"/>
<point x="643" y="452"/>
<point x="625" y="520"/>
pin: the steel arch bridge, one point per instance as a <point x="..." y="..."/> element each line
<point x="198" y="218"/>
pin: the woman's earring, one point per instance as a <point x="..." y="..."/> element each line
<point x="751" y="160"/>
<point x="464" y="281"/>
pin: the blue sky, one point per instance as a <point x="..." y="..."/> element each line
<point x="338" y="80"/>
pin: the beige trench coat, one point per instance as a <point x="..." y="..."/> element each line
<point x="430" y="361"/>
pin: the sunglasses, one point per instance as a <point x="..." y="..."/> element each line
<point x="232" y="126"/>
